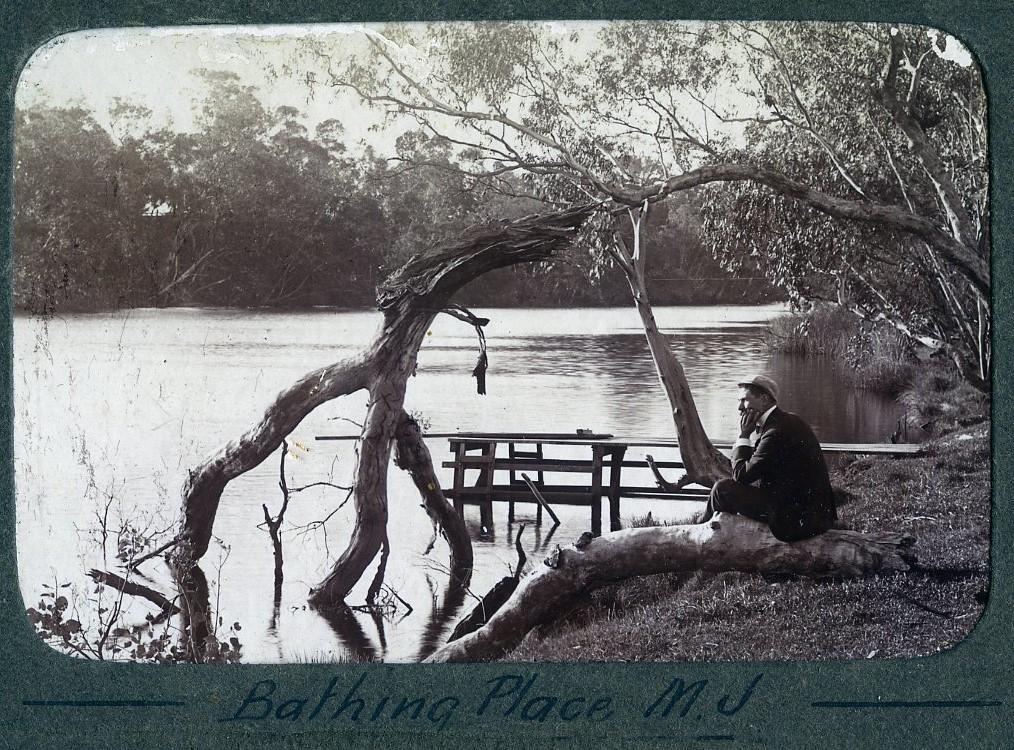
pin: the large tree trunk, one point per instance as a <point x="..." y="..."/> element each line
<point x="409" y="300"/>
<point x="728" y="542"/>
<point x="204" y="486"/>
<point x="704" y="463"/>
<point x="195" y="617"/>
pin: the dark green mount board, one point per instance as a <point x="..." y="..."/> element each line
<point x="962" y="697"/>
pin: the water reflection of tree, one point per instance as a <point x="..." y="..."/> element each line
<point x="442" y="612"/>
<point x="350" y="633"/>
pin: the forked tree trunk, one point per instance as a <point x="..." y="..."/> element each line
<point x="729" y="542"/>
<point x="409" y="300"/>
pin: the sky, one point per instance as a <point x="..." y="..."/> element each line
<point x="155" y="68"/>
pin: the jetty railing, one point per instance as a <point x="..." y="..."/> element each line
<point x="487" y="469"/>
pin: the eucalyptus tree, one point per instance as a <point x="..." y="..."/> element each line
<point x="842" y="157"/>
<point x="76" y="196"/>
<point x="884" y="117"/>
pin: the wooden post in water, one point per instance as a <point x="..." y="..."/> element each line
<point x="596" y="490"/>
<point x="615" y="470"/>
<point x="486" y="480"/>
<point x="459" y="478"/>
<point x="512" y="453"/>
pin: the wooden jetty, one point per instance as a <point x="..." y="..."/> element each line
<point x="500" y="459"/>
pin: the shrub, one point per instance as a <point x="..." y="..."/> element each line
<point x="937" y="400"/>
<point x="870" y="355"/>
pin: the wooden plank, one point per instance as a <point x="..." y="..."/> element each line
<point x="680" y="496"/>
<point x="524" y="464"/>
<point x="549" y="464"/>
<point x="471" y="462"/>
<point x="595" y="496"/>
<point x="512" y="453"/>
<point x="523" y="437"/>
<point x="541" y="482"/>
<point x="624" y="490"/>
<point x="615" y="470"/>
<point x="501" y="495"/>
<point x="540" y="499"/>
<point x="551" y="438"/>
<point x="486" y="479"/>
<point x="659" y="464"/>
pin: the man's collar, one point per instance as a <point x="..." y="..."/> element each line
<point x="764" y="417"/>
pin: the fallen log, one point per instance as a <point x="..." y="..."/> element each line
<point x="726" y="543"/>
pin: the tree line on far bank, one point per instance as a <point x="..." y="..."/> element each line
<point x="253" y="210"/>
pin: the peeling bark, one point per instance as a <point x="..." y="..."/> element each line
<point x="704" y="463"/>
<point x="195" y="614"/>
<point x="901" y="110"/>
<point x="726" y="543"/>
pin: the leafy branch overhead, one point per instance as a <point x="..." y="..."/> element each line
<point x="847" y="160"/>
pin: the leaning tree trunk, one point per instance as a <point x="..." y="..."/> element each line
<point x="412" y="455"/>
<point x="704" y="463"/>
<point x="409" y="300"/>
<point x="729" y="542"/>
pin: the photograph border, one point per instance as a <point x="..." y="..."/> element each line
<point x="960" y="695"/>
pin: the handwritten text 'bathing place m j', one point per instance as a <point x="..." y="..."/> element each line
<point x="507" y="697"/>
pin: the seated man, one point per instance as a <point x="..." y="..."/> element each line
<point x="783" y="479"/>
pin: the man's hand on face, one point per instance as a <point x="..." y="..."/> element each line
<point x="748" y="422"/>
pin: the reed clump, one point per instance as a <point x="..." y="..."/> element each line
<point x="873" y="356"/>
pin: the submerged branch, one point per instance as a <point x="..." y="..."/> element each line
<point x="124" y="586"/>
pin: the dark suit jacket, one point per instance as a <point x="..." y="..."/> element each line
<point x="788" y="464"/>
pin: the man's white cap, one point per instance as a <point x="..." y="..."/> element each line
<point x="764" y="383"/>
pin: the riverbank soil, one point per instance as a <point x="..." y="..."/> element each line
<point x="941" y="497"/>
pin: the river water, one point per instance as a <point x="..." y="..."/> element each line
<point x="112" y="409"/>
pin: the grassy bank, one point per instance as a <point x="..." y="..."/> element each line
<point x="940" y="497"/>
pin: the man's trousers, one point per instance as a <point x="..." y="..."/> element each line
<point x="789" y="521"/>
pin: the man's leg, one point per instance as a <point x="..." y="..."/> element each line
<point x="792" y="524"/>
<point x="731" y="496"/>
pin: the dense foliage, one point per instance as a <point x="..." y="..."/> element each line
<point x="847" y="161"/>
<point x="250" y="209"/>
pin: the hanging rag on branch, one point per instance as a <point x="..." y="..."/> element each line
<point x="482" y="363"/>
